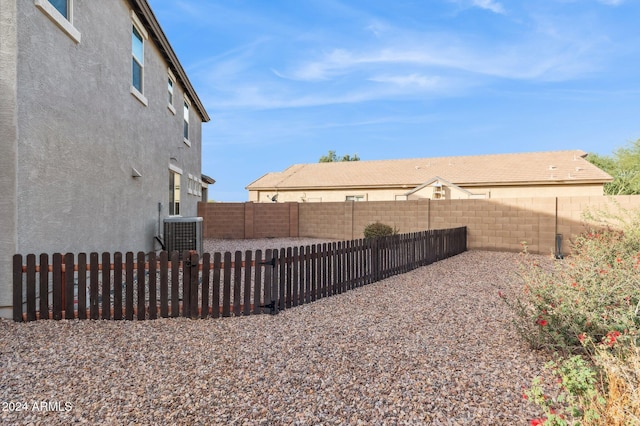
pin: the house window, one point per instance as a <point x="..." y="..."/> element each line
<point x="62" y="6"/>
<point x="138" y="37"/>
<point x="137" y="51"/>
<point x="171" y="83"/>
<point x="355" y="198"/>
<point x="186" y="122"/>
<point x="174" y="193"/>
<point x="60" y="12"/>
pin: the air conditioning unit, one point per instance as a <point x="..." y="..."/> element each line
<point x="183" y="234"/>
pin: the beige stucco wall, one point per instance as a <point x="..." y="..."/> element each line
<point x="451" y="193"/>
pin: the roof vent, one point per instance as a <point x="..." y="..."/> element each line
<point x="551" y="167"/>
<point x="578" y="169"/>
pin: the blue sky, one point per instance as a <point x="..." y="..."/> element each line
<point x="285" y="81"/>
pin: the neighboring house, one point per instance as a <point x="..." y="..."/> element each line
<point x="536" y="174"/>
<point x="206" y="181"/>
<point x="101" y="130"/>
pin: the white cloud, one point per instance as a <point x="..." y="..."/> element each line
<point x="492" y="5"/>
<point x="411" y="80"/>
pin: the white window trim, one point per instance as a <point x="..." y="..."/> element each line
<point x="138" y="24"/>
<point x="173" y="80"/>
<point x="190" y="184"/>
<point x="143" y="32"/>
<point x="66" y="25"/>
<point x="178" y="171"/>
<point x="175" y="169"/>
<point x="139" y="96"/>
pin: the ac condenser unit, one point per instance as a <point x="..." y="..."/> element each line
<point x="183" y="234"/>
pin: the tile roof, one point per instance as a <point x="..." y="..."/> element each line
<point x="497" y="169"/>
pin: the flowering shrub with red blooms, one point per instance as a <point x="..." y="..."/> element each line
<point x="611" y="337"/>
<point x="593" y="293"/>
<point x="587" y="307"/>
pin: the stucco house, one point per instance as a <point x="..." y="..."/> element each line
<point x="101" y="130"/>
<point x="535" y="174"/>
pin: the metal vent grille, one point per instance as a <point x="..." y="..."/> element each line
<point x="183" y="234"/>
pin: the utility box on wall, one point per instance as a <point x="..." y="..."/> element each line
<point x="183" y="234"/>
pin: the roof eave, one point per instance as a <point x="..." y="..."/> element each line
<point x="539" y="182"/>
<point x="414" y="185"/>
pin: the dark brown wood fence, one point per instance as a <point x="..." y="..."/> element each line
<point x="147" y="286"/>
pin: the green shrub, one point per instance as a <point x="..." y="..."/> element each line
<point x="377" y="229"/>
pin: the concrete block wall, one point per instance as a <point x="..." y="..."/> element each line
<point x="249" y="220"/>
<point x="273" y="220"/>
<point x="405" y="216"/>
<point x="492" y="224"/>
<point x="225" y="220"/>
<point x="325" y="220"/>
<point x="571" y="211"/>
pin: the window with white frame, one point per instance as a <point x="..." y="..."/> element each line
<point x="137" y="53"/>
<point x="61" y="13"/>
<point x="62" y="6"/>
<point x="138" y="37"/>
<point x="171" y="83"/>
<point x="355" y="198"/>
<point x="174" y="192"/>
<point x="186" y="121"/>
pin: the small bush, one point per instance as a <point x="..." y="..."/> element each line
<point x="586" y="310"/>
<point x="377" y="229"/>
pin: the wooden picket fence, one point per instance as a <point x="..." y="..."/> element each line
<point x="147" y="286"/>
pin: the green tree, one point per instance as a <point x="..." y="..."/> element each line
<point x="331" y="157"/>
<point x="623" y="166"/>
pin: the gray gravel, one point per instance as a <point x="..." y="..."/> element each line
<point x="211" y="246"/>
<point x="433" y="346"/>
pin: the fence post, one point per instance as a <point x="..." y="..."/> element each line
<point x="117" y="285"/>
<point x="68" y="286"/>
<point x="17" y="288"/>
<point x="257" y="283"/>
<point x="206" y="277"/>
<point x="215" y="291"/>
<point x="82" y="286"/>
<point x="248" y="258"/>
<point x="226" y="290"/>
<point x="237" y="282"/>
<point x="31" y="287"/>
<point x="192" y="264"/>
<point x="140" y="275"/>
<point x="273" y="304"/>
<point x="57" y="286"/>
<point x="153" y="286"/>
<point x="128" y="289"/>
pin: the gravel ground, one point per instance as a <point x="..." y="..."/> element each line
<point x="433" y="346"/>
<point x="211" y="246"/>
